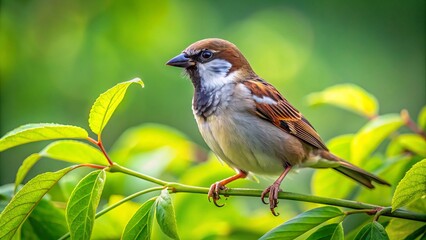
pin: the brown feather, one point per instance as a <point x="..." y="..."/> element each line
<point x="223" y="50"/>
<point x="354" y="172"/>
<point x="282" y="114"/>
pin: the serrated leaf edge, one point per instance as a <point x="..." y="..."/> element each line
<point x="66" y="170"/>
<point x="96" y="182"/>
<point x="396" y="202"/>
<point x="121" y="88"/>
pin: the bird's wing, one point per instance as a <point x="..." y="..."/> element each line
<point x="273" y="107"/>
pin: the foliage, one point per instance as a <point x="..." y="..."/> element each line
<point x="372" y="231"/>
<point x="82" y="204"/>
<point x="347" y="96"/>
<point x="40" y="131"/>
<point x="105" y="105"/>
<point x="378" y="146"/>
<point x="411" y="187"/>
<point x="140" y="225"/>
<point x="303" y="223"/>
<point x="23" y="203"/>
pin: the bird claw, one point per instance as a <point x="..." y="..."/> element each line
<point x="273" y="191"/>
<point x="214" y="193"/>
<point x="262" y="197"/>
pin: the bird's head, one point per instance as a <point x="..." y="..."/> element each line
<point x="213" y="62"/>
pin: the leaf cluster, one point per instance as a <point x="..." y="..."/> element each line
<point x="157" y="152"/>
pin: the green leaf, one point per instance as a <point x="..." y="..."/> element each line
<point x="47" y="221"/>
<point x="390" y="169"/>
<point x="140" y="225"/>
<point x="106" y="103"/>
<point x="324" y="185"/>
<point x="6" y="194"/>
<point x="212" y="222"/>
<point x="399" y="228"/>
<point x="332" y="231"/>
<point x="372" y="134"/>
<point x="149" y="137"/>
<point x="117" y="217"/>
<point x="64" y="150"/>
<point x="372" y="231"/>
<point x="81" y="207"/>
<point x="347" y="96"/>
<point x="25" y="201"/>
<point x="414" y="143"/>
<point x="23" y="170"/>
<point x="394" y="148"/>
<point x="411" y="187"/>
<point x="38" y="132"/>
<point x="165" y="214"/>
<point x="73" y="152"/>
<point x="302" y="223"/>
<point x="422" y="118"/>
<point x="418" y="234"/>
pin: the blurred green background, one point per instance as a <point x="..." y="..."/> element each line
<point x="58" y="56"/>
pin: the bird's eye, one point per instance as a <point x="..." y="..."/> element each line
<point x="206" y="54"/>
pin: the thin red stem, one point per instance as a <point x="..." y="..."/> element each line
<point x="372" y="117"/>
<point x="411" y="124"/>
<point x="101" y="146"/>
<point x="92" y="141"/>
<point x="91" y="165"/>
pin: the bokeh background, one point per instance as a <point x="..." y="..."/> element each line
<point x="58" y="56"/>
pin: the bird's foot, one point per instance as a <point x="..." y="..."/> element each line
<point x="273" y="191"/>
<point x="215" y="188"/>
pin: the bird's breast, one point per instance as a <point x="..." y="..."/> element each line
<point x="242" y="139"/>
<point x="250" y="144"/>
<point x="206" y="102"/>
<point x="233" y="141"/>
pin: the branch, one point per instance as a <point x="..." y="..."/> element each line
<point x="411" y="124"/>
<point x="101" y="147"/>
<point x="398" y="213"/>
<point x="177" y="187"/>
<point x="117" y="168"/>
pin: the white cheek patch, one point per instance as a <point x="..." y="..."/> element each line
<point x="218" y="66"/>
<point x="214" y="73"/>
<point x="264" y="100"/>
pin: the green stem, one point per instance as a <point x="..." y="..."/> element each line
<point x="128" y="198"/>
<point x="177" y="187"/>
<point x="398" y="213"/>
<point x="367" y="211"/>
<point x="109" y="208"/>
<point x="117" y="168"/>
<point x="101" y="147"/>
<point x="90" y="165"/>
<point x="381" y="212"/>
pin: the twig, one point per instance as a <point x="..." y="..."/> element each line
<point x="398" y="213"/>
<point x="102" y="148"/>
<point x="117" y="168"/>
<point x="177" y="188"/>
<point x="411" y="124"/>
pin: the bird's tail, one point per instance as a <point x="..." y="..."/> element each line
<point x="354" y="172"/>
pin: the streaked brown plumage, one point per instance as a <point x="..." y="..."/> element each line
<point x="249" y="124"/>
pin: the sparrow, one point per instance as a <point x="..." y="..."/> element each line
<point x="249" y="125"/>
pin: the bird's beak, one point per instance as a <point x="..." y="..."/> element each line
<point x="181" y="61"/>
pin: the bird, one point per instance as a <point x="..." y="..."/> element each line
<point x="249" y="124"/>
